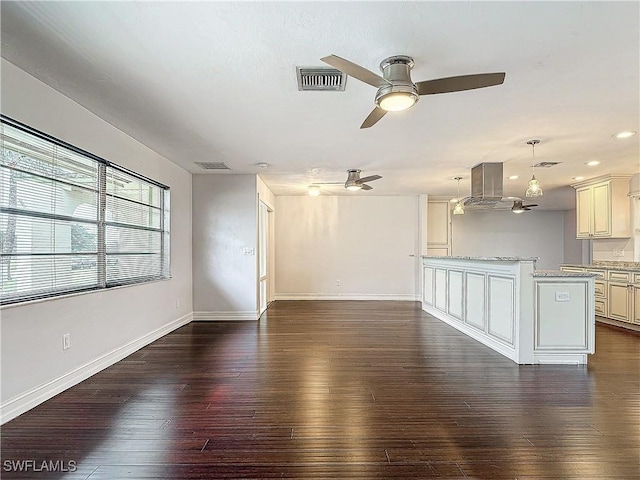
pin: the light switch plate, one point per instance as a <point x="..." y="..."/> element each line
<point x="562" y="297"/>
<point x="248" y="251"/>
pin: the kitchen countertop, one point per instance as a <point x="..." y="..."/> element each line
<point x="558" y="273"/>
<point x="626" y="266"/>
<point x="484" y="259"/>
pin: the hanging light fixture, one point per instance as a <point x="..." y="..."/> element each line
<point x="534" y="189"/>
<point x="459" y="208"/>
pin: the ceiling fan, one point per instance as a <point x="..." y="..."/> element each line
<point x="396" y="90"/>
<point x="354" y="182"/>
<point x="518" y="207"/>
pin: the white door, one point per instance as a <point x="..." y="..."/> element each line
<point x="263" y="253"/>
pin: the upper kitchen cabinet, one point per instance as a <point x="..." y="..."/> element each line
<point x="603" y="207"/>
<point x="439" y="228"/>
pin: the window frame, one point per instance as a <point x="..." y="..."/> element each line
<point x="104" y="169"/>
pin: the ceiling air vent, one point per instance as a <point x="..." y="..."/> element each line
<point x="213" y="165"/>
<point x="321" y="78"/>
<point x="546" y="164"/>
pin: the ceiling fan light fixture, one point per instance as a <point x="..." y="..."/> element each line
<point x="517" y="207"/>
<point x="353" y="180"/>
<point x="314" y="190"/>
<point x="397" y="101"/>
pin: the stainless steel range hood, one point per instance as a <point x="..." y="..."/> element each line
<point x="486" y="184"/>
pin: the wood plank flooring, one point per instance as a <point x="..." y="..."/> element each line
<point x="339" y="390"/>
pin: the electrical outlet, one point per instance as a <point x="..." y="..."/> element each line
<point x="562" y="297"/>
<point x="618" y="253"/>
<point x="66" y="341"/>
<point x="248" y="251"/>
<point x="337" y="283"/>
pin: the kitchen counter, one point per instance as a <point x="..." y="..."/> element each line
<point x="559" y="273"/>
<point x="484" y="259"/>
<point x="603" y="265"/>
<point x="528" y="316"/>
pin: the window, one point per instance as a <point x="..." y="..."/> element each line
<point x="71" y="221"/>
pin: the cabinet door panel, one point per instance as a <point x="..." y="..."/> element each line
<point x="619" y="301"/>
<point x="601" y="210"/>
<point x="636" y="303"/>
<point x="583" y="212"/>
<point x="438" y="223"/>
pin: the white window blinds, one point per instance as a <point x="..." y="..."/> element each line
<point x="70" y="221"/>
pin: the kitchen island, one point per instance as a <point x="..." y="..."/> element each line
<point x="528" y="316"/>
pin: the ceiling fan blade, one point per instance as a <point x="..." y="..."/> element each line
<point x="366" y="187"/>
<point x="356" y="71"/>
<point x="458" y="84"/>
<point x="532" y="205"/>
<point x="370" y="178"/>
<point x="373" y="117"/>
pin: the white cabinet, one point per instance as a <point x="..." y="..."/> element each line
<point x="438" y="228"/>
<point x="603" y="207"/>
<point x="616" y="292"/>
<point x="636" y="303"/>
<point x="619" y="301"/>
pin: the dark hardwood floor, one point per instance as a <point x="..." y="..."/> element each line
<point x="339" y="390"/>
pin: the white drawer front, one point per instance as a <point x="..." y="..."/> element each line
<point x="572" y="269"/>
<point x="600" y="289"/>
<point x="619" y="276"/>
<point x="601" y="307"/>
<point x="599" y="273"/>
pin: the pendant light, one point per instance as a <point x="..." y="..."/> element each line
<point x="459" y="208"/>
<point x="534" y="189"/>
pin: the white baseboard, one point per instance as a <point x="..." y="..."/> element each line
<point x="347" y="296"/>
<point x="560" y="358"/>
<point x="226" y="316"/>
<point x="34" y="397"/>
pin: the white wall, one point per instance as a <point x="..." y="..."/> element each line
<point x="495" y="233"/>
<point x="603" y="249"/>
<point x="224" y="223"/>
<point x="574" y="249"/>
<point x="110" y="322"/>
<point x="362" y="240"/>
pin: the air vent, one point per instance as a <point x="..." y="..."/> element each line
<point x="546" y="164"/>
<point x="213" y="165"/>
<point x="321" y="79"/>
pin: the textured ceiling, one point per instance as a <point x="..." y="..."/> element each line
<point x="215" y="82"/>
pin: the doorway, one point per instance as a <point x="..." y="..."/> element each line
<point x="264" y="254"/>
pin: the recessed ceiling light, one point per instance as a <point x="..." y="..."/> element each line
<point x="314" y="190"/>
<point x="513" y="177"/>
<point x="593" y="163"/>
<point x="262" y="165"/>
<point x="625" y="134"/>
<point x="578" y="178"/>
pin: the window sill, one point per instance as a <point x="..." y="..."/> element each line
<point x="76" y="294"/>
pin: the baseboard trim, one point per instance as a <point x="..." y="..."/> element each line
<point x="226" y="316"/>
<point x="22" y="403"/>
<point x="347" y="296"/>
